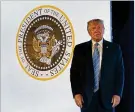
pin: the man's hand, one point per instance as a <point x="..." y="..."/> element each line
<point x="79" y="100"/>
<point x="115" y="100"/>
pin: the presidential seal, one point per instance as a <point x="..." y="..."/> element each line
<point x="44" y="42"/>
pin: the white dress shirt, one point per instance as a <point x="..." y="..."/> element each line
<point x="100" y="49"/>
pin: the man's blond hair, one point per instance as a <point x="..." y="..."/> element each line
<point x="95" y="20"/>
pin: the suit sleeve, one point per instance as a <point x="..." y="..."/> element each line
<point x="119" y="78"/>
<point x="75" y="77"/>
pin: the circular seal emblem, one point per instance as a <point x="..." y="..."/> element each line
<point x="44" y="42"/>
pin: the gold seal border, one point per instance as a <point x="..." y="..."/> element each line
<point x="73" y="41"/>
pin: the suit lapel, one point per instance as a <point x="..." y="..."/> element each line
<point x="89" y="57"/>
<point x="104" y="55"/>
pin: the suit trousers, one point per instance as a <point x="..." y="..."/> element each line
<point x="96" y="105"/>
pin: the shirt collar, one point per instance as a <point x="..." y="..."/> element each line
<point x="100" y="42"/>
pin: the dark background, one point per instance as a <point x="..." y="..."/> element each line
<point x="122" y="13"/>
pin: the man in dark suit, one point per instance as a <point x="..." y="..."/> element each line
<point x="97" y="72"/>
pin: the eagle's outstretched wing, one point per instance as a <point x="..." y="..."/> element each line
<point x="36" y="45"/>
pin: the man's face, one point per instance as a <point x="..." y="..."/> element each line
<point x="96" y="31"/>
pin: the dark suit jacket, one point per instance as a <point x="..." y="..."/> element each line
<point x="112" y="73"/>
